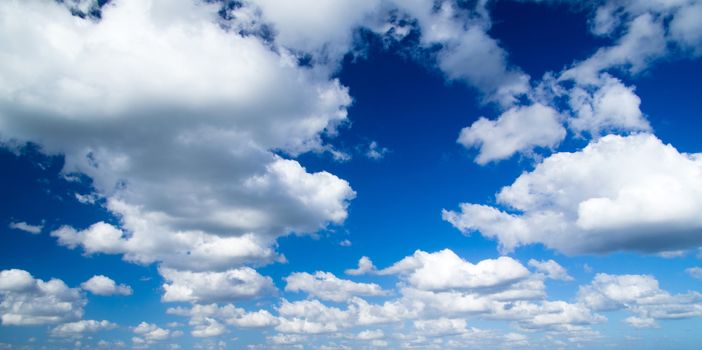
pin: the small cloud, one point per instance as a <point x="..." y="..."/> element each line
<point x="365" y="265"/>
<point x="695" y="272"/>
<point x="23" y="226"/>
<point x="87" y="198"/>
<point x="672" y="254"/>
<point x="376" y="152"/>
<point x="345" y="243"/>
<point x="587" y="268"/>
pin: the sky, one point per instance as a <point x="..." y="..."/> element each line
<point x="350" y="174"/>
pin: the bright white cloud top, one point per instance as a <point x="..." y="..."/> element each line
<point x="220" y="148"/>
<point x="618" y="193"/>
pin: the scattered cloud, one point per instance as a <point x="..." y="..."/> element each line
<point x="30" y="301"/>
<point x="103" y="285"/>
<point x="79" y="328"/>
<point x="326" y="286"/>
<point x="618" y="193"/>
<point x="23" y="226"/>
<point x="519" y="129"/>
<point x="203" y="287"/>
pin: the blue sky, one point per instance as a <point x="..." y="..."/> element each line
<point x="350" y="174"/>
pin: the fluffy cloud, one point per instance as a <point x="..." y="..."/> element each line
<point x="321" y="28"/>
<point x="441" y="326"/>
<point x="150" y="332"/>
<point x="457" y="33"/>
<point x="232" y="284"/>
<point x="551" y="268"/>
<point x="685" y="28"/>
<point x="643" y="42"/>
<point x="695" y="272"/>
<point x="186" y="161"/>
<point x="641" y="295"/>
<point x="203" y="317"/>
<point x="519" y="129"/>
<point x="618" y="193"/>
<point x="365" y="265"/>
<point x="103" y="285"/>
<point x="30" y="301"/>
<point x="611" y="107"/>
<point x="326" y="286"/>
<point x="23" y="226"/>
<point x="446" y="270"/>
<point x="78" y="328"/>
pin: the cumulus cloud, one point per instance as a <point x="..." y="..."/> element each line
<point x="519" y="129"/>
<point x="365" y="265"/>
<point x="375" y="151"/>
<point x="695" y="272"/>
<point x="30" y="301"/>
<point x="149" y="333"/>
<point x="205" y="287"/>
<point x="446" y="270"/>
<point x="187" y="162"/>
<point x="641" y="295"/>
<point x="610" y="107"/>
<point x="23" y="226"/>
<point x="437" y="291"/>
<point x="207" y="318"/>
<point x="643" y="42"/>
<point x="441" y="326"/>
<point x="551" y="268"/>
<point x="103" y="285"/>
<point x="326" y="286"/>
<point x="618" y="193"/>
<point x="78" y="328"/>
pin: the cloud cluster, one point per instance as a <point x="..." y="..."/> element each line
<point x="205" y="287"/>
<point x="326" y="286"/>
<point x="30" y="301"/>
<point x="78" y="328"/>
<point x="177" y="120"/>
<point x="103" y="285"/>
<point x="641" y="295"/>
<point x="618" y="193"/>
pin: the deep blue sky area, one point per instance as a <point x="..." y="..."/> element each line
<point x="403" y="102"/>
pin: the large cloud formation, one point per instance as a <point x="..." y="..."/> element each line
<point x="618" y="193"/>
<point x="176" y="115"/>
<point x="26" y="300"/>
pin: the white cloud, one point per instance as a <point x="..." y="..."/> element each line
<point x="323" y="28"/>
<point x="641" y="295"/>
<point x="643" y="43"/>
<point x="441" y="326"/>
<point x="23" y="226"/>
<point x="78" y="328"/>
<point x="370" y="335"/>
<point x="551" y="268"/>
<point x="365" y="265"/>
<point x="187" y="160"/>
<point x="376" y="152"/>
<point x="201" y="287"/>
<point x="695" y="272"/>
<point x="611" y="107"/>
<point x="686" y="27"/>
<point x="618" y="193"/>
<point x="519" y="129"/>
<point x="203" y="317"/>
<point x="326" y="286"/>
<point x="30" y="301"/>
<point x="150" y="332"/>
<point x="446" y="270"/>
<point x="468" y="53"/>
<point x="103" y="285"/>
